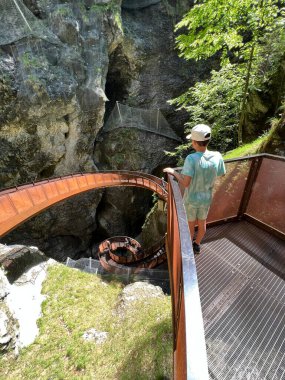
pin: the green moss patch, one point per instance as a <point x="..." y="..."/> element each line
<point x="246" y="149"/>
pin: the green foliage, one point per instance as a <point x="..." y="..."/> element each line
<point x="64" y="11"/>
<point x="179" y="153"/>
<point x="249" y="37"/>
<point x="118" y="20"/>
<point x="227" y="26"/>
<point x="112" y="6"/>
<point x="269" y="53"/>
<point x="30" y="61"/>
<point x="215" y="102"/>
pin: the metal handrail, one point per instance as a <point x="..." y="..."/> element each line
<point x="159" y="181"/>
<point x="265" y="155"/>
<point x="190" y="358"/>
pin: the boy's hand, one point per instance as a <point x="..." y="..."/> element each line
<point x="169" y="171"/>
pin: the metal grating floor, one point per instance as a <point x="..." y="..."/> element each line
<point x="241" y="274"/>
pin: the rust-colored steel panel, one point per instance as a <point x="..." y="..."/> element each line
<point x="19" y="204"/>
<point x="180" y="354"/>
<point x="228" y="191"/>
<point x="72" y="183"/>
<point x="81" y="181"/>
<point x="7" y="209"/>
<point x="37" y="194"/>
<point x="50" y="190"/>
<point x="91" y="180"/>
<point x="62" y="187"/>
<point x="21" y="201"/>
<point x="267" y="201"/>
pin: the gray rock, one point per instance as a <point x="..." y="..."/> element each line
<point x="45" y="128"/>
<point x="21" y="298"/>
<point x="4" y="336"/>
<point x="25" y="299"/>
<point x="137" y="291"/>
<point x="138" y="4"/>
<point x="17" y="259"/>
<point x="4" y="285"/>
<point x="62" y="230"/>
<point x="155" y="225"/>
<point x="95" y="336"/>
<point x="9" y="327"/>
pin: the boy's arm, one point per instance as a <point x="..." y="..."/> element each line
<point x="221" y="168"/>
<point x="182" y="179"/>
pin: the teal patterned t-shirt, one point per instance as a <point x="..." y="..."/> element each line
<point x="203" y="168"/>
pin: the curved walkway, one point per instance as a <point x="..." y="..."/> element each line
<point x="124" y="250"/>
<point x="21" y="203"/>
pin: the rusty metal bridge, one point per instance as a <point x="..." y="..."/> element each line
<point x="231" y="326"/>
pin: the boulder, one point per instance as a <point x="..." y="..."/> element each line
<point x="22" y="272"/>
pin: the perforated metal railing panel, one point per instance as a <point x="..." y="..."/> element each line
<point x="241" y="274"/>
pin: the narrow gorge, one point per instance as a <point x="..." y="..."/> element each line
<point x="64" y="66"/>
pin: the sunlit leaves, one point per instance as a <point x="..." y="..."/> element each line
<point x="250" y="38"/>
<point x="212" y="24"/>
<point x="215" y="102"/>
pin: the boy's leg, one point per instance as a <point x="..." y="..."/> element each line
<point x="202" y="214"/>
<point x="191" y="213"/>
<point x="192" y="228"/>
<point x="201" y="230"/>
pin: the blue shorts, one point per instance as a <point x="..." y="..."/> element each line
<point x="194" y="213"/>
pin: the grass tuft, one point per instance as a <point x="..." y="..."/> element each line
<point x="246" y="149"/>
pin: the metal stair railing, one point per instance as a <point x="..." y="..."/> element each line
<point x="189" y="347"/>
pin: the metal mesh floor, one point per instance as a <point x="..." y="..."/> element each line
<point x="241" y="274"/>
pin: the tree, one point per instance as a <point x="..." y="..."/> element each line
<point x="216" y="102"/>
<point x="235" y="29"/>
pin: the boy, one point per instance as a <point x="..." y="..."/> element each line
<point x="198" y="176"/>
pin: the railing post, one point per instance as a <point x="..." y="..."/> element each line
<point x="252" y="175"/>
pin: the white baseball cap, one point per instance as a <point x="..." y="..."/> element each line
<point x="201" y="132"/>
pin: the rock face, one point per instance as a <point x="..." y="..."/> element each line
<point x="155" y="225"/>
<point x="65" y="230"/>
<point x="22" y="271"/>
<point x="124" y="210"/>
<point x="276" y="143"/>
<point x="138" y="4"/>
<point x="52" y="82"/>
<point x="9" y="327"/>
<point x="144" y="72"/>
<point x="260" y="108"/>
<point x="59" y="64"/>
<point x="53" y="88"/>
<point x="135" y="292"/>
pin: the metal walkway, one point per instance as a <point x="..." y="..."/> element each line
<point x="19" y="203"/>
<point x="241" y="275"/>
